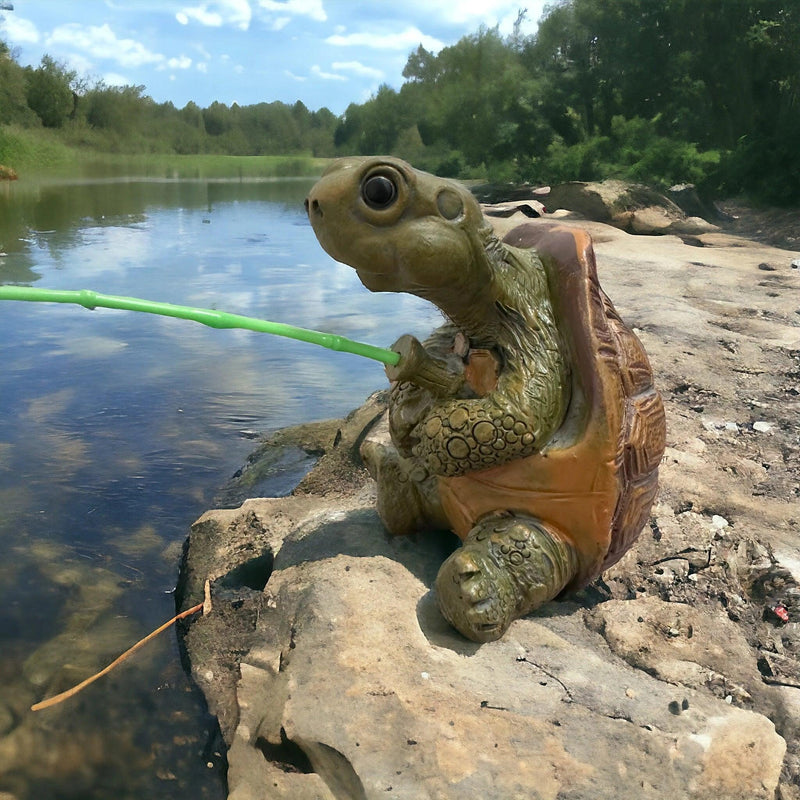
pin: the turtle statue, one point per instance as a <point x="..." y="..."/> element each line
<point x="528" y="423"/>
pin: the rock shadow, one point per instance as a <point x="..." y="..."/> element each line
<point x="437" y="629"/>
<point x="361" y="534"/>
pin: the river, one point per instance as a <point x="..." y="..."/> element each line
<point x="117" y="429"/>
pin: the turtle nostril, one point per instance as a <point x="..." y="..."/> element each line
<point x="312" y="207"/>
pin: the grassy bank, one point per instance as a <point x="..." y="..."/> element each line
<point x="40" y="154"/>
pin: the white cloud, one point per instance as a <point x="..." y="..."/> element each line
<point x="201" y="15"/>
<point x="467" y="11"/>
<point x="216" y="13"/>
<point x="327" y="76"/>
<point x="115" y="79"/>
<point x="298" y="78"/>
<point x="202" y="67"/>
<point x="404" y="40"/>
<point x="102" y="43"/>
<point x="358" y="68"/>
<point x="183" y="62"/>
<point x="299" y="8"/>
<point x="18" y="30"/>
<point x="81" y="64"/>
<point x="472" y="13"/>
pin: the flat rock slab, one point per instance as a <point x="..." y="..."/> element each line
<point x="677" y="674"/>
<point x="353" y="686"/>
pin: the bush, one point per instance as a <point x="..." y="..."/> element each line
<point x="767" y="169"/>
<point x="647" y="157"/>
<point x="585" y="161"/>
<point x="633" y="151"/>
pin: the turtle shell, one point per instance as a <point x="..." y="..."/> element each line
<point x="594" y="483"/>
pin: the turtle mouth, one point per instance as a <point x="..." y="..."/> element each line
<point x="485" y="631"/>
<point x="376" y="280"/>
<point x="483" y="618"/>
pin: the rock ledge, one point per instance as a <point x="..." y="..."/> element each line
<point x="676" y="674"/>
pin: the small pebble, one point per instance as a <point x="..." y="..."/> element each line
<point x="796" y="263"/>
<point x="719" y="522"/>
<point x="762" y="427"/>
<point x="712" y="425"/>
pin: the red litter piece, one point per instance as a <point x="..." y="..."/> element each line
<point x="781" y="613"/>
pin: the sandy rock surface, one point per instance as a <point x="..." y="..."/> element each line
<point x="676" y="674"/>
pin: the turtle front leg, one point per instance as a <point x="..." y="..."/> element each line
<point x="508" y="566"/>
<point x="407" y="497"/>
<point x="440" y="421"/>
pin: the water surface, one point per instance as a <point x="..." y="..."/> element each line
<point x="117" y="429"/>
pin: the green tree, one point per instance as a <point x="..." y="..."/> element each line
<point x="119" y="109"/>
<point x="421" y="67"/>
<point x="216" y="119"/>
<point x="477" y="104"/>
<point x="50" y="92"/>
<point x="319" y="136"/>
<point x="13" y="97"/>
<point x="716" y="73"/>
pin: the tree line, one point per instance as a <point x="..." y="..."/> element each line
<point x="658" y="91"/>
<point x="126" y="120"/>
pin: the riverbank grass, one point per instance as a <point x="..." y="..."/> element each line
<point x="39" y="154"/>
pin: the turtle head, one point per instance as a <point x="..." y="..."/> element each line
<point x="401" y="229"/>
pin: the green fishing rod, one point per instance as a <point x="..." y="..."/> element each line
<point x="205" y="316"/>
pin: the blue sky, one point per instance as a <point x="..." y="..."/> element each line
<point x="323" y="52"/>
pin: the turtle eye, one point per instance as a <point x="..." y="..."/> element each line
<point x="379" y="192"/>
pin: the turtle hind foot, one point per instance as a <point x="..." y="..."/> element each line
<point x="508" y="566"/>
